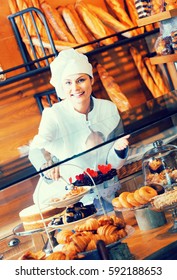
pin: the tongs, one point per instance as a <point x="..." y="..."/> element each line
<point x="69" y="186"/>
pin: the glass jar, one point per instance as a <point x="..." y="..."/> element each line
<point x="160" y="165"/>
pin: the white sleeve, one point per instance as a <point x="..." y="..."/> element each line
<point x="46" y="132"/>
<point x="115" y="160"/>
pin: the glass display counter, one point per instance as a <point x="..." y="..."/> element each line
<point x="156" y="119"/>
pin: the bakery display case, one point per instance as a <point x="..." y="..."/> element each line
<point x="154" y="120"/>
<point x="151" y="117"/>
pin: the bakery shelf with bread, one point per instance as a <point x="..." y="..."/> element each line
<point x="45" y="30"/>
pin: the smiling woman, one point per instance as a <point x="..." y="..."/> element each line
<point x="76" y="124"/>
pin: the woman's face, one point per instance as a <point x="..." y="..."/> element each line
<point x="78" y="87"/>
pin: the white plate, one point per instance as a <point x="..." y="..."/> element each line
<point x="71" y="225"/>
<point x="64" y="202"/>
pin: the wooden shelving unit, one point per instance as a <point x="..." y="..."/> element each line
<point x="160" y="59"/>
<point x="165" y="18"/>
<point x="157" y="17"/>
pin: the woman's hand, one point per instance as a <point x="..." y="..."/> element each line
<point x="53" y="173"/>
<point x="121" y="143"/>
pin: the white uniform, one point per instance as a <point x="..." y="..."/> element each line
<point x="65" y="133"/>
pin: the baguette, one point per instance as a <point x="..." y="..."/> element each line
<point x="59" y="45"/>
<point x="112" y="89"/>
<point x="57" y="23"/>
<point x="13" y="6"/>
<point x="109" y="20"/>
<point x="137" y="57"/>
<point x="81" y="23"/>
<point x="93" y="23"/>
<point x="156" y="76"/>
<point x="74" y="27"/>
<point x="119" y="11"/>
<point x="134" y="15"/>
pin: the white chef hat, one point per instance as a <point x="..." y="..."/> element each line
<point x="68" y="62"/>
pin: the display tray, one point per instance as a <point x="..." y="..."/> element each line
<point x="131" y="209"/>
<point x="20" y="231"/>
<point x="66" y="201"/>
<point x="70" y="225"/>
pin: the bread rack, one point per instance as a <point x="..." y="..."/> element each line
<point x="33" y="67"/>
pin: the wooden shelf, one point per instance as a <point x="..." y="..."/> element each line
<point x="160" y="59"/>
<point x="157" y="17"/>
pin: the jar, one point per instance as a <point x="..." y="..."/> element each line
<point x="160" y="165"/>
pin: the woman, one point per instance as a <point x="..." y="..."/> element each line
<point x="75" y="125"/>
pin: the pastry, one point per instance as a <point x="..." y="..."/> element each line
<point x="139" y="198"/>
<point x="147" y="193"/>
<point x="63" y="236"/>
<point x="32" y="219"/>
<point x="166" y="199"/>
<point x="89" y="225"/>
<point x="123" y="200"/>
<point x="80" y="241"/>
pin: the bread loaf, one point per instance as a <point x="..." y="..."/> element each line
<point x="109" y="20"/>
<point x="138" y="59"/>
<point x="74" y="27"/>
<point x="119" y="10"/>
<point x="59" y="45"/>
<point x="13" y="6"/>
<point x="134" y="15"/>
<point x="156" y="76"/>
<point x="93" y="23"/>
<point x="113" y="90"/>
<point x="57" y="23"/>
<point x="81" y="23"/>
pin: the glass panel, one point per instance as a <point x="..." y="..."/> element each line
<point x="96" y="139"/>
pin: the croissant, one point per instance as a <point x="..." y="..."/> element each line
<point x="106" y="230"/>
<point x="105" y="220"/>
<point x="89" y="225"/>
<point x="57" y="256"/>
<point x="92" y="245"/>
<point x="63" y="236"/>
<point x="80" y="241"/>
<point x="118" y="222"/>
<point x="70" y="249"/>
<point x="109" y="239"/>
<point x="40" y="255"/>
<point x="121" y="233"/>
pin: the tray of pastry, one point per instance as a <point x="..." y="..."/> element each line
<point x="73" y="215"/>
<point x="20" y="230"/>
<point x="69" y="198"/>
